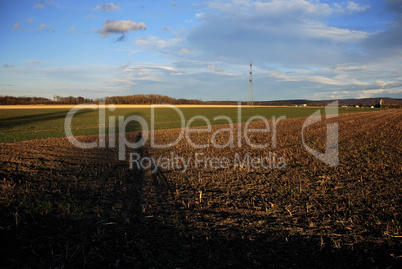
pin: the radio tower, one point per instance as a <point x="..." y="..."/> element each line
<point x="250" y="86"/>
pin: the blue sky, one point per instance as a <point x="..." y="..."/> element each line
<point x="201" y="49"/>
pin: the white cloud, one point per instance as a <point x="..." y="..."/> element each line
<point x="40" y="5"/>
<point x="41" y="27"/>
<point x="355" y="7"/>
<point x="320" y="30"/>
<point x="185" y="51"/>
<point x="343" y="81"/>
<point x="148" y="67"/>
<point x="349" y="67"/>
<point x="286" y="32"/>
<point x="43" y="4"/>
<point x="154" y="43"/>
<point x="107" y="7"/>
<point x="227" y="74"/>
<point x="75" y="80"/>
<point x="349" y="8"/>
<point x="299" y="8"/>
<point x="29" y="21"/>
<point x="146" y="73"/>
<point x="120" y="27"/>
<point x="72" y="29"/>
<point x="44" y="27"/>
<point x="90" y="16"/>
<point x="233" y="7"/>
<point x="387" y="84"/>
<point x="214" y="67"/>
<point x="273" y="8"/>
<point x="16" y="26"/>
<point x="315" y="79"/>
<point x="199" y="15"/>
<point x="379" y="93"/>
<point x="337" y="80"/>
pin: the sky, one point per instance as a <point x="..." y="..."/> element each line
<point x="300" y="49"/>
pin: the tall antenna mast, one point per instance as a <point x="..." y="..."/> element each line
<point x="250" y="86"/>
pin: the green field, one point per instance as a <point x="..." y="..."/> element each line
<point x="29" y="124"/>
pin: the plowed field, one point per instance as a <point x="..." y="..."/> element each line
<point x="66" y="207"/>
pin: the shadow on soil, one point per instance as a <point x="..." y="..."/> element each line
<point x="92" y="215"/>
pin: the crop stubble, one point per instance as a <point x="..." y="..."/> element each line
<point x="62" y="205"/>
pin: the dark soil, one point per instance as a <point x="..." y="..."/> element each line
<point x="65" y="207"/>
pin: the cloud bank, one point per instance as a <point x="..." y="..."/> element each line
<point x="289" y="32"/>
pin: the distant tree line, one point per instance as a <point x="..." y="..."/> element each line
<point x="277" y="103"/>
<point x="71" y="100"/>
<point x="144" y="99"/>
<point x="138" y="99"/>
<point x="130" y="99"/>
<point x="255" y="103"/>
<point x="12" y="100"/>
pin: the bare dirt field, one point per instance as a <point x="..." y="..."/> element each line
<point x="62" y="206"/>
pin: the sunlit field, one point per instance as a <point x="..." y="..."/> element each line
<point x="28" y="124"/>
